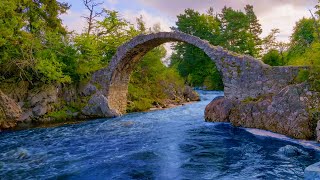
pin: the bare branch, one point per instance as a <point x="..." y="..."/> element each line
<point x="91" y="5"/>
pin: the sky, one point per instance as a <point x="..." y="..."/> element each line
<point x="281" y="14"/>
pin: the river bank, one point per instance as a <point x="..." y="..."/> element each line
<point x="52" y="105"/>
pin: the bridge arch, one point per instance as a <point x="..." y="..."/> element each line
<point x="241" y="74"/>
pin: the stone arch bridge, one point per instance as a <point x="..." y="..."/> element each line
<point x="243" y="76"/>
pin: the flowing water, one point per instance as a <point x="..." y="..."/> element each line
<point x="166" y="144"/>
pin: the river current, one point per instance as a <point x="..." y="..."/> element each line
<point x="173" y="143"/>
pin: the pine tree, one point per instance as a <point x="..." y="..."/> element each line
<point x="254" y="28"/>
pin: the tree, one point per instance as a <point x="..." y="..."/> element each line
<point x="273" y="58"/>
<point x="191" y="62"/>
<point x="318" y="8"/>
<point x="239" y="31"/>
<point x="270" y="41"/>
<point x="210" y="12"/>
<point x="141" y="24"/>
<point x="302" y="37"/>
<point x="43" y="15"/>
<point x="91" y="6"/>
<point x="113" y="31"/>
<point x="254" y="29"/>
<point x="31" y="32"/>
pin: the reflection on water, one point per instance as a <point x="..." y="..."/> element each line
<point x="168" y="144"/>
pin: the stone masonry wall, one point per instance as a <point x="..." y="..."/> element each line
<point x="243" y="76"/>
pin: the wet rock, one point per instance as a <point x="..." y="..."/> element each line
<point x="37" y="98"/>
<point x="89" y="89"/>
<point x="283" y="112"/>
<point x="218" y="110"/>
<point x="40" y="109"/>
<point x="26" y="116"/>
<point x="318" y="131"/>
<point x="190" y="94"/>
<point x="10" y="111"/>
<point x="98" y="107"/>
<point x="312" y="172"/>
<point x="291" y="151"/>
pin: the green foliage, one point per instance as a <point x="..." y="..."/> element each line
<point x="312" y="76"/>
<point x="89" y="57"/>
<point x="34" y="46"/>
<point x="311" y="56"/>
<point x="302" y="37"/>
<point x="304" y="50"/>
<point x="51" y="69"/>
<point x="150" y="82"/>
<point x="113" y="31"/>
<point x="31" y="33"/>
<point x="234" y="30"/>
<point x="303" y="76"/>
<point x="240" y="31"/>
<point x="191" y="62"/>
<point x="273" y="58"/>
<point x="63" y="114"/>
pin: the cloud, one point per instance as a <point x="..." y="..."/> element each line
<point x="148" y="18"/>
<point x="280" y="14"/>
<point x="73" y="21"/>
<point x="284" y="18"/>
<point x="175" y="7"/>
<point x="113" y="1"/>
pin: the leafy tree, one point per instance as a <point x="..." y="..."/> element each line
<point x="234" y="27"/>
<point x="113" y="31"/>
<point x="141" y="24"/>
<point x="234" y="30"/>
<point x="191" y="62"/>
<point x="302" y="37"/>
<point x="29" y="30"/>
<point x="273" y="58"/>
<point x="270" y="41"/>
<point x="254" y="29"/>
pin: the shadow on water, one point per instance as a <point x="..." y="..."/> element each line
<point x="166" y="144"/>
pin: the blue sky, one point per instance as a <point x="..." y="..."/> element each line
<point x="280" y="14"/>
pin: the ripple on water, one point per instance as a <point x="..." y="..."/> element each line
<point x="166" y="144"/>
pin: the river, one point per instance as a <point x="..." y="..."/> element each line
<point x="173" y="143"/>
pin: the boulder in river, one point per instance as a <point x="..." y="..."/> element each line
<point x="218" y="110"/>
<point x="292" y="112"/>
<point x="190" y="95"/>
<point x="290" y="151"/>
<point x="98" y="107"/>
<point x="312" y="172"/>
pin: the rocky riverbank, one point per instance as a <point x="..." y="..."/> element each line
<point x="293" y="111"/>
<point x="22" y="106"/>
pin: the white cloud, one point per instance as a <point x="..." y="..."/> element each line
<point x="148" y="18"/>
<point x="113" y="1"/>
<point x="73" y="21"/>
<point x="280" y="14"/>
<point x="284" y="18"/>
